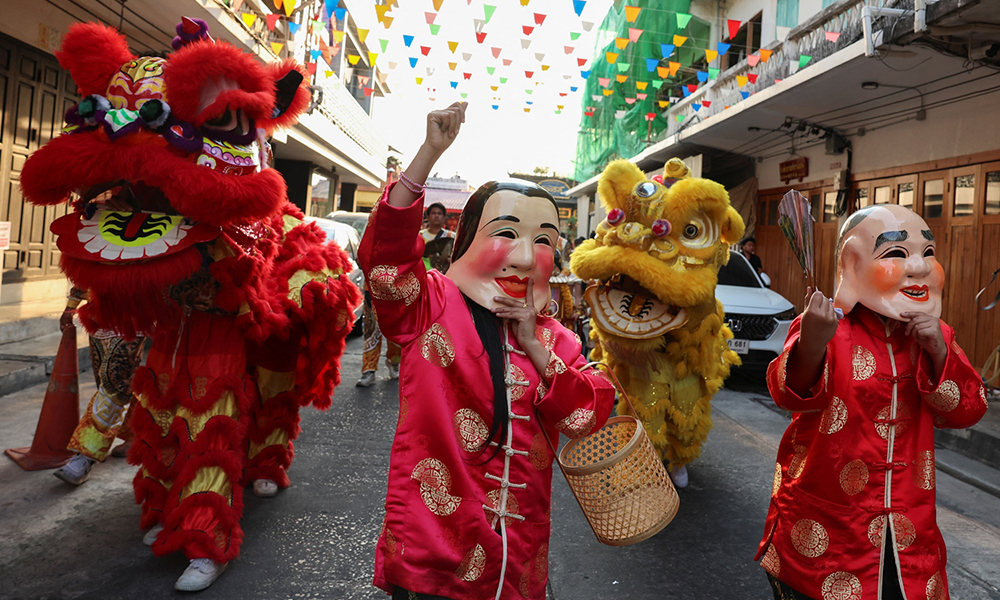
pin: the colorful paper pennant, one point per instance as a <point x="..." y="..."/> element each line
<point x="679" y="40"/>
<point x="682" y="20"/>
<point x="578" y="7"/>
<point x="621" y="78"/>
<point x="632" y="13"/>
<point x="710" y="55"/>
<point x="765" y="54"/>
<point x="611" y="57"/>
<point x="666" y="50"/>
<point x="248" y="19"/>
<point x="832" y="36"/>
<point x="633" y="34"/>
<point x="276" y="47"/>
<point x="753" y="59"/>
<point x="651" y="64"/>
<point x="804" y="60"/>
<point x="488" y="11"/>
<point x="734" y="27"/>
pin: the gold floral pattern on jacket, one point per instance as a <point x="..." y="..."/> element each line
<point x="863" y="362"/>
<point x="579" y="423"/>
<point x="437" y="346"/>
<point x="473" y="564"/>
<point x="923" y="470"/>
<point x="854" y="477"/>
<point x="834" y="417"/>
<point x="493" y="501"/>
<point x="841" y="586"/>
<point x="384" y="283"/>
<point x="539" y="454"/>
<point x="770" y="561"/>
<point x="935" y="588"/>
<point x="809" y="538"/>
<point x="470" y="429"/>
<point x="435" y="487"/>
<point x="903" y="420"/>
<point x="945" y="398"/>
<point x="902" y="526"/>
<point x="776" y="484"/>
<point x="516" y="387"/>
<point x="798" y="463"/>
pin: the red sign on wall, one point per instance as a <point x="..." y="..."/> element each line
<point x="797" y="168"/>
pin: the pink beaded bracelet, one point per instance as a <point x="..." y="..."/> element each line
<point x="410" y="184"/>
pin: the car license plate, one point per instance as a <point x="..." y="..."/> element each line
<point x="740" y="346"/>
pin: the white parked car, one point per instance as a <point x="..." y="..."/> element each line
<point x="347" y="238"/>
<point x="758" y="317"/>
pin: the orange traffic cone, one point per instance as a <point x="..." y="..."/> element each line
<point x="60" y="412"/>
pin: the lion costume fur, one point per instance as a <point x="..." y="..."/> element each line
<point x="661" y="256"/>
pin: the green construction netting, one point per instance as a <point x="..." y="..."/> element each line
<point x="617" y="129"/>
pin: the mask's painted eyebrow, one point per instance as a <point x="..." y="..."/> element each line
<point x="511" y="218"/>
<point x="890" y="236"/>
<point x="550" y="226"/>
<point x="928" y="235"/>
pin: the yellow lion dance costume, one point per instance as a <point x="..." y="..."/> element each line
<point x="655" y="320"/>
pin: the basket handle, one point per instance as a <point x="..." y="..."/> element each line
<point x="617" y="384"/>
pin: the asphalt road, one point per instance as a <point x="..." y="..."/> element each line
<point x="317" y="539"/>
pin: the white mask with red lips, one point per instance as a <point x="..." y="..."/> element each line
<point x="515" y="239"/>
<point x="887" y="263"/>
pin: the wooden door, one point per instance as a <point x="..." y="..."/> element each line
<point x="36" y="94"/>
<point x="986" y="261"/>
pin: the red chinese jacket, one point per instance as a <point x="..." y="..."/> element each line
<point x="454" y="521"/>
<point x="855" y="467"/>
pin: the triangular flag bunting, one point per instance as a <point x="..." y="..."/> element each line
<point x="272" y="20"/>
<point x="682" y="20"/>
<point x="574" y="35"/>
<point x="413" y="61"/>
<point x="338" y="36"/>
<point x="713" y="73"/>
<point x="507" y="61"/>
<point x="494" y="87"/>
<point x="545" y="67"/>
<point x="539" y="56"/>
<point x="248" y="19"/>
<point x="633" y="34"/>
<point x="525" y="43"/>
<point x="663" y="71"/>
<point x="734" y="27"/>
<point x="710" y="55"/>
<point x="437" y="4"/>
<point x="568" y="49"/>
<point x="419" y="80"/>
<point x="607" y="92"/>
<point x="488" y="11"/>
<point x="804" y="60"/>
<point x="632" y="13"/>
<point x="383" y="44"/>
<point x="454" y="84"/>
<point x="430" y="17"/>
<point x="276" y="47"/>
<point x="641" y="96"/>
<point x="604" y="81"/>
<point x="527" y="29"/>
<point x="651" y="64"/>
<point x="622" y="67"/>
<point x="658" y="83"/>
<point x="621" y="78"/>
<point x="832" y="36"/>
<point x="480" y="36"/>
<point x="620" y="43"/>
<point x="425" y="50"/>
<point x="702" y="76"/>
<point x="379" y="12"/>
<point x="340" y="12"/>
<point x="353" y="59"/>
<point x="293" y="28"/>
<point x="587" y="25"/>
<point x="539" y="18"/>
<point x="663" y="103"/>
<point x="741" y="80"/>
<point x="753" y="59"/>
<point x="289" y="7"/>
<point x="706" y="103"/>
<point x="434" y="29"/>
<point x="578" y="7"/>
<point x="611" y="57"/>
<point x="581" y="61"/>
<point x="680" y="118"/>
<point x="696" y="106"/>
<point x="496" y="52"/>
<point x="650" y="116"/>
<point x="752" y="77"/>
<point x="407" y="39"/>
<point x="452" y="46"/>
<point x="490" y="70"/>
<point x="529" y="74"/>
<point x="503" y="80"/>
<point x="362" y="35"/>
<point x="585" y="74"/>
<point x="679" y="40"/>
<point x="692" y="87"/>
<point x="328" y="73"/>
<point x="674" y="67"/>
<point x="452" y="65"/>
<point x="745" y="95"/>
<point x="765" y="54"/>
<point x="722" y="48"/>
<point x="311" y="68"/>
<point x="666" y="50"/>
<point x="629" y="100"/>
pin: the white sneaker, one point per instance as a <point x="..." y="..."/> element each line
<point x="264" y="488"/>
<point x="77" y="470"/>
<point x="393" y="368"/>
<point x="367" y="378"/>
<point x="201" y="573"/>
<point x="679" y="475"/>
<point x="150" y="536"/>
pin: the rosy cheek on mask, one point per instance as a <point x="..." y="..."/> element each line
<point x="937" y="276"/>
<point x="493" y="255"/>
<point x="544" y="262"/>
<point x="885" y="275"/>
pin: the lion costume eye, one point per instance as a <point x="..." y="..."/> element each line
<point x="646" y="189"/>
<point x="699" y="233"/>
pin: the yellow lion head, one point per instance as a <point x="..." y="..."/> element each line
<point x="657" y="255"/>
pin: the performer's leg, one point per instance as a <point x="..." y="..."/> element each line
<point x="113" y="365"/>
<point x="274" y="416"/>
<point x="393" y="356"/>
<point x="195" y="396"/>
<point x="373" y="345"/>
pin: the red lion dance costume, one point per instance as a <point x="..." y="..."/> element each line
<point x="244" y="302"/>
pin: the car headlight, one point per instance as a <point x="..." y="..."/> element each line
<point x="788" y="315"/>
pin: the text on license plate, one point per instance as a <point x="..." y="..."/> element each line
<point x="740" y="346"/>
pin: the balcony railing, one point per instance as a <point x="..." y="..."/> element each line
<point x="806" y="39"/>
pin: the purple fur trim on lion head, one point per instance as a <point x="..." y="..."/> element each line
<point x="188" y="31"/>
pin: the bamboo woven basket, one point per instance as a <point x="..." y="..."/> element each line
<point x="618" y="479"/>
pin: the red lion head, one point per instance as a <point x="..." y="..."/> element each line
<point x="184" y="135"/>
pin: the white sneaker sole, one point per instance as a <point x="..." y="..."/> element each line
<point x="199" y="582"/>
